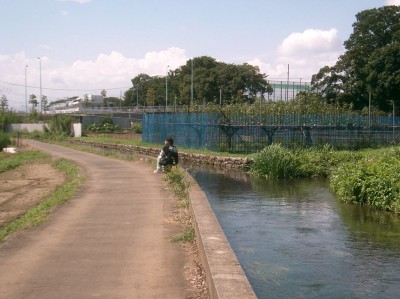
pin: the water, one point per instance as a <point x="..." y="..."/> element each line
<point x="295" y="240"/>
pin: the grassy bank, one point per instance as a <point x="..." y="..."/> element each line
<point x="180" y="186"/>
<point x="365" y="177"/>
<point x="40" y="213"/>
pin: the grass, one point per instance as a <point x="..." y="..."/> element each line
<point x="40" y="213"/>
<point x="12" y="161"/>
<point x="180" y="187"/>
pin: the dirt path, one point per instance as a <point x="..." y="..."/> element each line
<point x="112" y="241"/>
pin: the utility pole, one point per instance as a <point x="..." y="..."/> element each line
<point x="26" y="92"/>
<point x="166" y="89"/>
<point x="40" y="74"/>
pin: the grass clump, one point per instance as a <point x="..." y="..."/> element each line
<point x="40" y="213"/>
<point x="187" y="236"/>
<point x="179" y="185"/>
<point x="372" y="181"/>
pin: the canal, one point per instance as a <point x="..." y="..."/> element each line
<point x="294" y="239"/>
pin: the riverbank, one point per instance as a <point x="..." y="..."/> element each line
<point x="341" y="167"/>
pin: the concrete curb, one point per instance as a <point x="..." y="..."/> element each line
<point x="225" y="277"/>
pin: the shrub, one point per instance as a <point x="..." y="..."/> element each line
<point x="276" y="162"/>
<point x="137" y="128"/>
<point x="4" y="140"/>
<point x="373" y="181"/>
<point x="60" y="125"/>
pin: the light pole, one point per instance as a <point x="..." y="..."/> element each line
<point x="26" y="92"/>
<point x="166" y="88"/>
<point x="40" y="75"/>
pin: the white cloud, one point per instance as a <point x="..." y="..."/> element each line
<point x="64" y="13"/>
<point x="306" y="52"/>
<point x="106" y="71"/>
<point x="392" y="2"/>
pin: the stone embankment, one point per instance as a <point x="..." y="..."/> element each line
<point x="200" y="159"/>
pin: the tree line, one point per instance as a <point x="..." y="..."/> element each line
<point x="201" y="80"/>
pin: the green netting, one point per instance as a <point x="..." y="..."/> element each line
<point x="251" y="133"/>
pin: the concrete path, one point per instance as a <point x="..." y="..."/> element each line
<point x="111" y="241"/>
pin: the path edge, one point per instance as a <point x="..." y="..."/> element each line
<point x="224" y="275"/>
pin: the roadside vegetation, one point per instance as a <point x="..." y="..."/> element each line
<point x="180" y="186"/>
<point x="41" y="212"/>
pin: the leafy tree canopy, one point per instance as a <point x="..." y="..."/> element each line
<point x="371" y="62"/>
<point x="236" y="83"/>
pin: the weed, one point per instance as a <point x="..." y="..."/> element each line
<point x="187" y="236"/>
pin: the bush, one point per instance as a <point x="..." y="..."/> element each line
<point x="104" y="128"/>
<point x="137" y="128"/>
<point x="4" y="140"/>
<point x="276" y="162"/>
<point x="373" y="181"/>
<point x="60" y="125"/>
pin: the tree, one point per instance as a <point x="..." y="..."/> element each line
<point x="103" y="93"/>
<point x="150" y="99"/>
<point x="33" y="101"/>
<point x="3" y="103"/>
<point x="369" y="64"/>
<point x="209" y="76"/>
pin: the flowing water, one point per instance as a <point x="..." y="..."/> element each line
<point x="295" y="240"/>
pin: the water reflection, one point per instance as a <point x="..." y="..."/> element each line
<point x="295" y="240"/>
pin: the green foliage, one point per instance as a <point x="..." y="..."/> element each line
<point x="237" y="83"/>
<point x="137" y="128"/>
<point x="40" y="213"/>
<point x="103" y="128"/>
<point x="370" y="62"/>
<point x="106" y="125"/>
<point x="276" y="162"/>
<point x="187" y="236"/>
<point x="179" y="185"/>
<point x="60" y="125"/>
<point x="4" y="140"/>
<point x="373" y="181"/>
<point x="8" y="118"/>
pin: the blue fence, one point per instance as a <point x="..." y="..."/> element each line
<point x="251" y="133"/>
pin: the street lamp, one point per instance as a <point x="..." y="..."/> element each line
<point x="166" y="88"/>
<point x="40" y="74"/>
<point x="26" y="92"/>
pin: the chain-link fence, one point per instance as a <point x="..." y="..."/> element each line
<point x="251" y="133"/>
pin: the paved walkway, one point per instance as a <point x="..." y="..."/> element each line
<point x="111" y="241"/>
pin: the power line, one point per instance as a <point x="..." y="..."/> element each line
<point x="63" y="89"/>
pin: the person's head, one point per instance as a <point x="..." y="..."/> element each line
<point x="169" y="141"/>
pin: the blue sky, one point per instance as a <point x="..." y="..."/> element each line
<point x="95" y="44"/>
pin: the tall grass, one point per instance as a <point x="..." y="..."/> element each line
<point x="372" y="181"/>
<point x="277" y="162"/>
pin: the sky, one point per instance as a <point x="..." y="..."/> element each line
<point x="89" y="45"/>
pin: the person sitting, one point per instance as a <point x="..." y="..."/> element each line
<point x="168" y="156"/>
